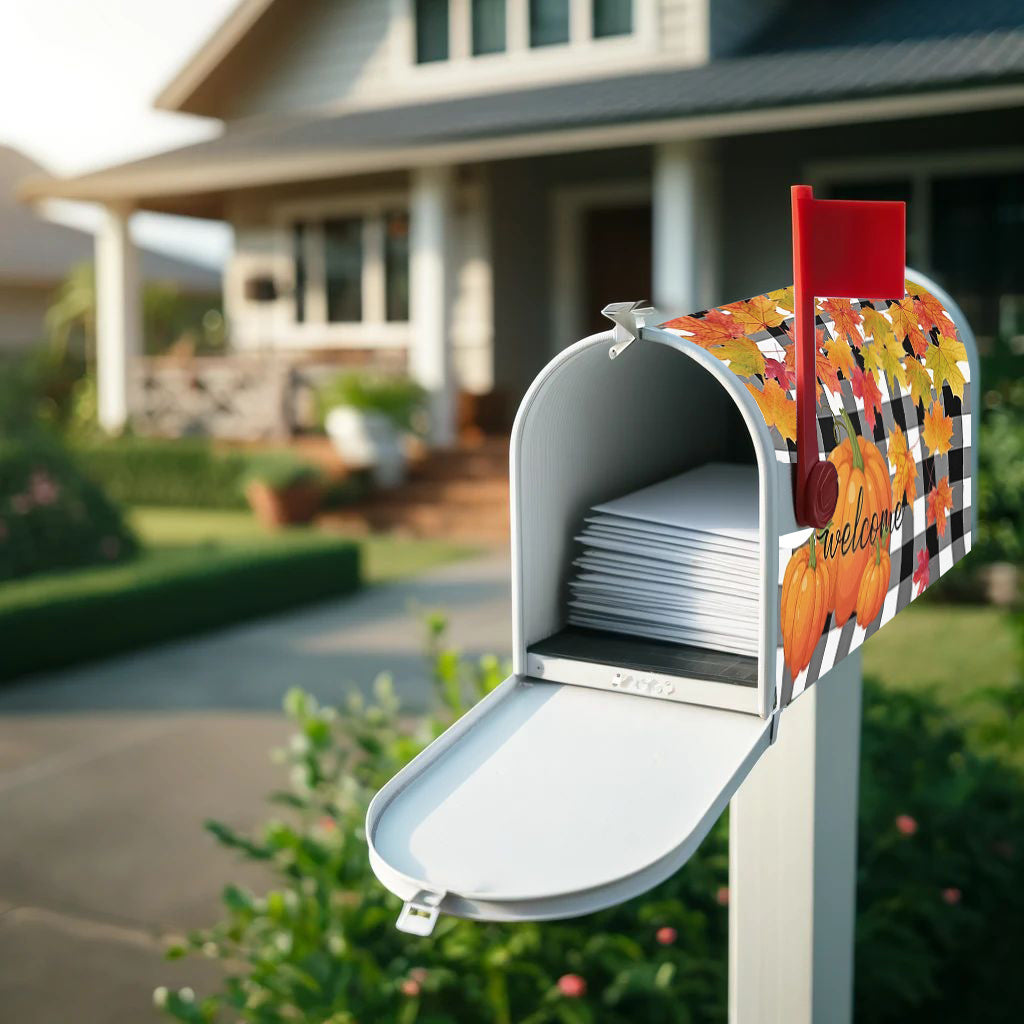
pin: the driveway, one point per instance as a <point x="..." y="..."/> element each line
<point x="108" y="771"/>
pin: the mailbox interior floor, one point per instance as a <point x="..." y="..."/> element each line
<point x="642" y="655"/>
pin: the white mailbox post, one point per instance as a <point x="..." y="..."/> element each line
<point x="595" y="770"/>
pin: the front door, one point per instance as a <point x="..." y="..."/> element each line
<point x="616" y="259"/>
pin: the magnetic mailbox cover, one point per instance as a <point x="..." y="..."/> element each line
<point x="548" y="800"/>
<point x="894" y="380"/>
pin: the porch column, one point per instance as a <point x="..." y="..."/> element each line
<point x="430" y="352"/>
<point x="685" y="258"/>
<point x="118" y="316"/>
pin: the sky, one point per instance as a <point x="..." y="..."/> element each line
<point x="78" y="78"/>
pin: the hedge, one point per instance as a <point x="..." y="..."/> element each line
<point x="55" y="620"/>
<point x="155" y="471"/>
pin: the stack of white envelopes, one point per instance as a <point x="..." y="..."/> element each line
<point x="678" y="561"/>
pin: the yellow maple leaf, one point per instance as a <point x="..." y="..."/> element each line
<point x="783" y="297"/>
<point x="902" y="460"/>
<point x="918" y="381"/>
<point x="778" y="409"/>
<point x="876" y="324"/>
<point x="938" y="429"/>
<point x="885" y="358"/>
<point x="942" y="358"/>
<point x="742" y="355"/>
<point x="905" y="325"/>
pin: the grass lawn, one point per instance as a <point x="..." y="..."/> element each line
<point x="383" y="558"/>
<point x="953" y="647"/>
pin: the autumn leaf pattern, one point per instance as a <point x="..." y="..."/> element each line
<point x="940" y="501"/>
<point x="903" y="462"/>
<point x="877" y="353"/>
<point x="778" y="409"/>
<point x="938" y="429"/>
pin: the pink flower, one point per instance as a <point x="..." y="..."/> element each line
<point x="418" y="974"/>
<point x="327" y="823"/>
<point x="906" y="825"/>
<point x="410" y="988"/>
<point x="952" y="896"/>
<point x="21" y="503"/>
<point x="722" y="896"/>
<point x="110" y="547"/>
<point x="572" y="986"/>
<point x="666" y="936"/>
<point x="44" y="490"/>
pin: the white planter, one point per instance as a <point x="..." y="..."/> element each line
<point x="367" y="440"/>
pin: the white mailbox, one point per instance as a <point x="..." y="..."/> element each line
<point x="596" y="769"/>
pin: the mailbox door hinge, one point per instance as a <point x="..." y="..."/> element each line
<point x="629" y="318"/>
<point x="419" y="915"/>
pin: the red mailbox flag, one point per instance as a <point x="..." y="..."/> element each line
<point x="842" y="249"/>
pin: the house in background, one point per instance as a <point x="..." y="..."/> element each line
<point x="457" y="187"/>
<point x="36" y="255"/>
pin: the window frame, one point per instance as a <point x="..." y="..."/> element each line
<point x="374" y="330"/>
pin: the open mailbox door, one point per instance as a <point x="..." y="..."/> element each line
<point x="596" y="769"/>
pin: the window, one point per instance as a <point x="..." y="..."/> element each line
<point x="431" y="30"/>
<point x="612" y="18"/>
<point x="488" y="26"/>
<point x="549" y="22"/>
<point x="299" y="255"/>
<point x="396" y="266"/>
<point x="343" y="269"/>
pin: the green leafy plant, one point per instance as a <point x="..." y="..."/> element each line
<point x="398" y="398"/>
<point x="51" y="515"/>
<point x="940" y="924"/>
<point x="1001" y="484"/>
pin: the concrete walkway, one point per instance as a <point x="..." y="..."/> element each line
<point x="108" y="771"/>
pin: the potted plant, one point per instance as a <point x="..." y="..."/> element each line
<point x="367" y="416"/>
<point x="282" y="489"/>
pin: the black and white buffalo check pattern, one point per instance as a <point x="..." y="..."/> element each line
<point x="914" y="534"/>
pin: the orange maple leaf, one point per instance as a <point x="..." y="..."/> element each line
<point x="839" y="355"/>
<point x="756" y="314"/>
<point x="714" y="329"/>
<point x="904" y="325"/>
<point x="864" y="387"/>
<point x="938" y="429"/>
<point x="930" y="312"/>
<point x="902" y="460"/>
<point x="844" y="318"/>
<point x="778" y="409"/>
<point x="940" y="501"/>
<point x="823" y="368"/>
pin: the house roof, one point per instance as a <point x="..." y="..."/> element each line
<point x="799" y="85"/>
<point x="35" y="251"/>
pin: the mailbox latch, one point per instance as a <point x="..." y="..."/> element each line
<point x="629" y="318"/>
<point x="419" y="915"/>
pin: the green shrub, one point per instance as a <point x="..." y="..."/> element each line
<point x="51" y="516"/>
<point x="1000" y="533"/>
<point x="941" y="913"/>
<point x="157" y="471"/>
<point x="165" y="595"/>
<point x="398" y="398"/>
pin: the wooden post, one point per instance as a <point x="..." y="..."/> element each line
<point x="792" y="863"/>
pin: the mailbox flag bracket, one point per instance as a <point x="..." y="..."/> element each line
<point x="629" y="318"/>
<point x="845" y="249"/>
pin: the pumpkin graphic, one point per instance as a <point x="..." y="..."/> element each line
<point x="874" y="584"/>
<point x="806" y="599"/>
<point x="865" y="491"/>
